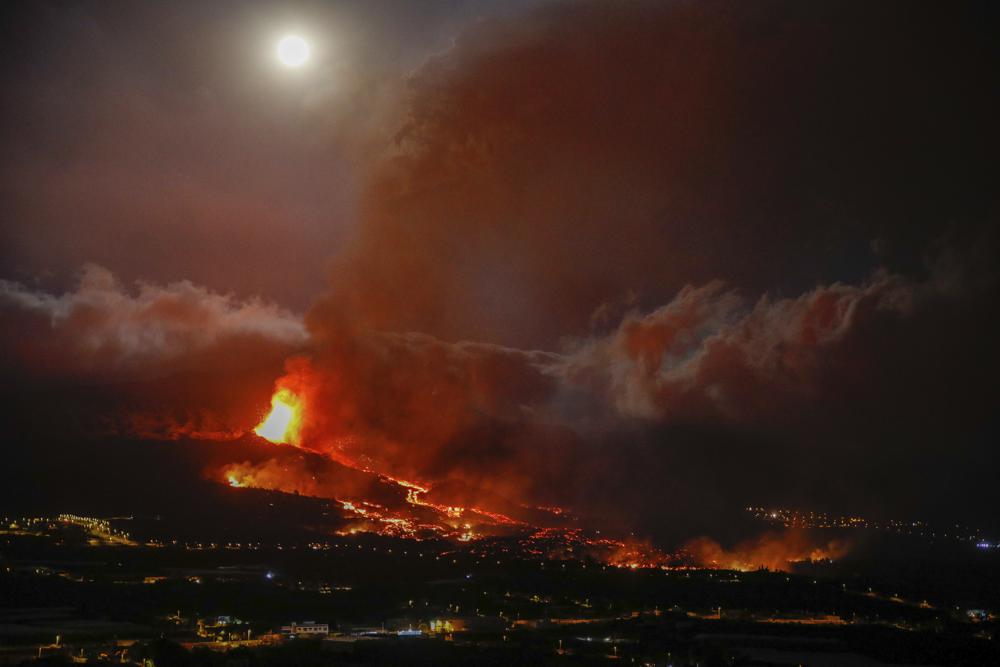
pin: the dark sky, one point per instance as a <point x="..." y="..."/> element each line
<point x="163" y="142"/>
<point x="732" y="252"/>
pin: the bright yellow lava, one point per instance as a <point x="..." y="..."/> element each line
<point x="282" y="424"/>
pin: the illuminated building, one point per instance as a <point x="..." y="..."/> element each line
<point x="305" y="629"/>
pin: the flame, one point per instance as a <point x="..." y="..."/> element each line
<point x="284" y="421"/>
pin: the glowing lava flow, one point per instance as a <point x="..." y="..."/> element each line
<point x="408" y="512"/>
<point x="284" y="421"/>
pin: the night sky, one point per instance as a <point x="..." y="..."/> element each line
<point x="650" y="261"/>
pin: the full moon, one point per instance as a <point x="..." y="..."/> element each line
<point x="293" y="51"/>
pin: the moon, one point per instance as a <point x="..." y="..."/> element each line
<point x="293" y="51"/>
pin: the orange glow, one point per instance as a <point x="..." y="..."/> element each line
<point x="283" y="423"/>
<point x="380" y="502"/>
<point x="774" y="551"/>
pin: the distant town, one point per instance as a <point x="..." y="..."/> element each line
<point x="84" y="589"/>
<point x="792" y="518"/>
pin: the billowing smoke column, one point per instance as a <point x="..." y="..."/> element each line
<point x="650" y="264"/>
<point x="559" y="168"/>
<point x="416" y="407"/>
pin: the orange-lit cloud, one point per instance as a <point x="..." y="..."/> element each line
<point x="106" y="327"/>
<point x="160" y="361"/>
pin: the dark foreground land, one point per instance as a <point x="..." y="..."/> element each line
<point x="87" y="593"/>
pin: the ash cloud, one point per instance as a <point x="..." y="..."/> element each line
<point x="585" y="152"/>
<point x="799" y="235"/>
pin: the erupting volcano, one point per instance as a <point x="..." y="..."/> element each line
<point x="283" y="423"/>
<point x="371" y="498"/>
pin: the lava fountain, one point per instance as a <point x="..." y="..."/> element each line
<point x="284" y="422"/>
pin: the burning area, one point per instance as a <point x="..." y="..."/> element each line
<point x="778" y="551"/>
